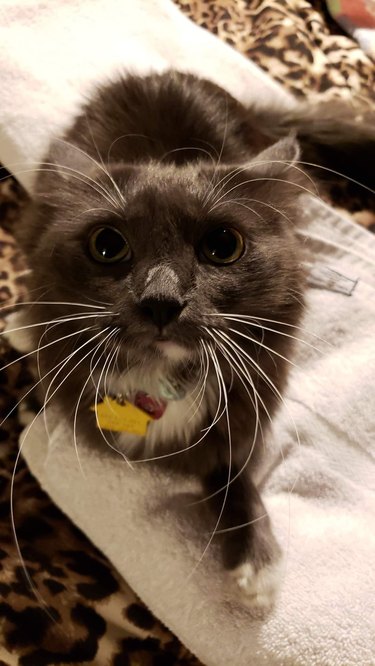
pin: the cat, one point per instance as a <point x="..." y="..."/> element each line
<point x="167" y="269"/>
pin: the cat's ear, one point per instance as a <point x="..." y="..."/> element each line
<point x="72" y="162"/>
<point x="273" y="176"/>
<point x="66" y="159"/>
<point x="277" y="160"/>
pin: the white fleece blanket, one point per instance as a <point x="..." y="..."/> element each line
<point x="319" y="492"/>
<point x="53" y="52"/>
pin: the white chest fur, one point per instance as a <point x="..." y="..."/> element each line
<point x="182" y="420"/>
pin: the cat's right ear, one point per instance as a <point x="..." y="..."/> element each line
<point x="65" y="159"/>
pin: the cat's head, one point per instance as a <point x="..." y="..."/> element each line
<point x="161" y="253"/>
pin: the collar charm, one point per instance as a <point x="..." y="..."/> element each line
<point x="121" y="415"/>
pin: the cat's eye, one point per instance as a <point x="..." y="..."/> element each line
<point x="223" y="246"/>
<point x="108" y="245"/>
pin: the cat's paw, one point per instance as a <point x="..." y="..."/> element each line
<point x="257" y="589"/>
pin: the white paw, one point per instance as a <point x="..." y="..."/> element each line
<point x="258" y="589"/>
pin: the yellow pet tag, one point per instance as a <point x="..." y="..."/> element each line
<point x="121" y="417"/>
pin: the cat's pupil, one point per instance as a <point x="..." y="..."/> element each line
<point x="107" y="244"/>
<point x="223" y="245"/>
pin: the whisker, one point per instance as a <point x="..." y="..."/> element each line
<point x="177" y="150"/>
<point x="260" y="344"/>
<point x="75" y="417"/>
<point x="69" y="171"/>
<point x="216" y="363"/>
<point x="111" y="446"/>
<point x="258" y="424"/>
<point x="125" y="136"/>
<point x="29" y="580"/>
<point x="267" y="380"/>
<point x="49" y="397"/>
<point x="246" y="167"/>
<point x="262" y="179"/>
<point x="238" y="527"/>
<point x="22" y="303"/>
<point x="12" y="487"/>
<point x="58" y="320"/>
<point x="208" y="193"/>
<point x="38" y="382"/>
<point x="337" y="173"/>
<point x="39" y="349"/>
<point x="244" y="319"/>
<point x="236" y="202"/>
<point x="102" y="166"/>
<point x="202" y="379"/>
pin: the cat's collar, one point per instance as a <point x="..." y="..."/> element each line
<point x="132" y="413"/>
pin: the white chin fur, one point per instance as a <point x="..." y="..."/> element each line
<point x="173" y="351"/>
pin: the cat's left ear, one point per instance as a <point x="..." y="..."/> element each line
<point x="277" y="160"/>
<point x="272" y="176"/>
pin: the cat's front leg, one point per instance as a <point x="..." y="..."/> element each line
<point x="250" y="551"/>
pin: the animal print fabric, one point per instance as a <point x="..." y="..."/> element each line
<point x="65" y="604"/>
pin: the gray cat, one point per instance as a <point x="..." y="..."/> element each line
<point x="165" y="262"/>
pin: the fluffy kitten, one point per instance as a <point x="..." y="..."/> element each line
<point x="168" y="211"/>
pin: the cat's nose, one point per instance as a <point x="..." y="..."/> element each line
<point x="161" y="311"/>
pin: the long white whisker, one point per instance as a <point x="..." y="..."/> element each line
<point x="337" y="173"/>
<point x="254" y="321"/>
<point x="243" y="318"/>
<point x="177" y="150"/>
<point x="58" y="320"/>
<point x="268" y="381"/>
<point x="102" y="166"/>
<point x="72" y="173"/>
<point x="125" y="136"/>
<point x="246" y="167"/>
<point x="260" y="344"/>
<point x="111" y="446"/>
<point x="113" y="356"/>
<point x="238" y="527"/>
<point x="258" y="425"/>
<point x="26" y="573"/>
<point x="92" y="369"/>
<point x="237" y="202"/>
<point x="212" y="353"/>
<point x="263" y="179"/>
<point x="34" y="385"/>
<point x="209" y="190"/>
<point x="39" y="349"/>
<point x="23" y="303"/>
<point x="29" y="580"/>
<point x="49" y="397"/>
<point x="202" y="378"/>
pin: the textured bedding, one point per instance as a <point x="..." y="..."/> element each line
<point x="84" y="612"/>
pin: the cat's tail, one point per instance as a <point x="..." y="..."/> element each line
<point x="334" y="138"/>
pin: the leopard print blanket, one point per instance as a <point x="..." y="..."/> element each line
<point x="63" y="603"/>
